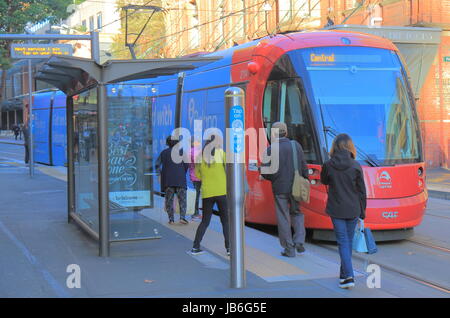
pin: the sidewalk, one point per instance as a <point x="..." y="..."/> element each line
<point x="8" y="138"/>
<point x="438" y="183"/>
<point x="38" y="244"/>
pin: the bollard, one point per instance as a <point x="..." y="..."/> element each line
<point x="235" y="143"/>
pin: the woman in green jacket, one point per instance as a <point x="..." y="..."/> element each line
<point x="211" y="171"/>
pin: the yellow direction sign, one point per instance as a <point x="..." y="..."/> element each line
<point x="39" y="51"/>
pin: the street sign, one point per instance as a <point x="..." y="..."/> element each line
<point x="39" y="51"/>
<point x="237" y="128"/>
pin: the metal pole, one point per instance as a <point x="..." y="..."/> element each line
<point x="235" y="132"/>
<point x="103" y="176"/>
<point x="95" y="46"/>
<point x="70" y="158"/>
<point x="50" y="37"/>
<point x="30" y="120"/>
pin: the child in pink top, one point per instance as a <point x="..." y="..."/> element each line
<point x="195" y="151"/>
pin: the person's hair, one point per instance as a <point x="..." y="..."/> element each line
<point x="343" y="142"/>
<point x="282" y="129"/>
<point x="170" y="142"/>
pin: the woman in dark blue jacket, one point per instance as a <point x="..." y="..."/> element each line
<point x="346" y="200"/>
<point x="173" y="181"/>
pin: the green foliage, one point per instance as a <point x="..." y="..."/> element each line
<point x="15" y="14"/>
<point x="148" y="45"/>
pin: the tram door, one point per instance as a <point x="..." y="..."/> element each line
<point x="285" y="101"/>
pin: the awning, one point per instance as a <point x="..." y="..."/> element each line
<point x="73" y="74"/>
<point x="417" y="45"/>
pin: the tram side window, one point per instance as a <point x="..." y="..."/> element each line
<point x="270" y="108"/>
<point x="284" y="101"/>
<point x="295" y="117"/>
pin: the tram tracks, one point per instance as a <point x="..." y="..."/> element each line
<point x="365" y="258"/>
<point x="426" y="244"/>
<point x="438" y="216"/>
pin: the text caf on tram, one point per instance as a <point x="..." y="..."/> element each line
<point x="320" y="84"/>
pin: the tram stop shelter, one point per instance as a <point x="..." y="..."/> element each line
<point x="109" y="141"/>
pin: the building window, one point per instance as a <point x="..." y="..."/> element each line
<point x="194" y="33"/>
<point x="91" y="23"/>
<point x="99" y="21"/>
<point x="285" y="11"/>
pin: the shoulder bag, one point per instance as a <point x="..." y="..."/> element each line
<point x="300" y="186"/>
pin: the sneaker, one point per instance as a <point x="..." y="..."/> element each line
<point x="288" y="253"/>
<point x="228" y="252"/>
<point x="171" y="222"/>
<point x="347" y="283"/>
<point x="196" y="217"/>
<point x="184" y="221"/>
<point x="197" y="251"/>
<point x="300" y="248"/>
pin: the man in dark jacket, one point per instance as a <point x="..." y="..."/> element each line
<point x="173" y="181"/>
<point x="287" y="209"/>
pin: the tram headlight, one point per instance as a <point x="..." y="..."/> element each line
<point x="420" y="171"/>
<point x="253" y="67"/>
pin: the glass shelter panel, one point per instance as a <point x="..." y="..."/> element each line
<point x="85" y="147"/>
<point x="130" y="162"/>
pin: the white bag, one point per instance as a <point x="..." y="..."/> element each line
<point x="190" y="202"/>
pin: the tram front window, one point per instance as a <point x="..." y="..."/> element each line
<point x="362" y="92"/>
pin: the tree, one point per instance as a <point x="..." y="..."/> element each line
<point x="149" y="43"/>
<point x="15" y="15"/>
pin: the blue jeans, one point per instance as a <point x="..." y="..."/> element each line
<point x="344" y="229"/>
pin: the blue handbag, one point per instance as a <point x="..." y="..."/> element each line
<point x="359" y="239"/>
<point x="370" y="242"/>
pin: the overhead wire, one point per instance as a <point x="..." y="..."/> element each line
<point x="187" y="29"/>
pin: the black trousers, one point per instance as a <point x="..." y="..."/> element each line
<point x="198" y="186"/>
<point x="27" y="153"/>
<point x="208" y="204"/>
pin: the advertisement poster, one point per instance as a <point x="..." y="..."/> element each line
<point x="128" y="147"/>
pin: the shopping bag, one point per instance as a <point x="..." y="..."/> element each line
<point x="359" y="240"/>
<point x="370" y="241"/>
<point x="190" y="202"/>
<point x="300" y="187"/>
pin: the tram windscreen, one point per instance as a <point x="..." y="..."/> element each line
<point x="362" y="92"/>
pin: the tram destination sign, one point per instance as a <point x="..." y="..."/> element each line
<point x="39" y="51"/>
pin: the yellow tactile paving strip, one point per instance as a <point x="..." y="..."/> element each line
<point x="256" y="261"/>
<point x="53" y="172"/>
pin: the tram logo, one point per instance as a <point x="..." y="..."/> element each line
<point x="389" y="214"/>
<point x="384" y="180"/>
